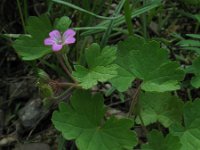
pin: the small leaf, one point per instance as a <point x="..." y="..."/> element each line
<point x="31" y="48"/>
<point x="45" y="90"/>
<point x="82" y="121"/>
<point x="189" y="134"/>
<point x="101" y="66"/>
<point x="42" y="75"/>
<point x="161" y="107"/>
<point x="63" y="23"/>
<point x="156" y="141"/>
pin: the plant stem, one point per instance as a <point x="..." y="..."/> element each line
<point x="134" y="101"/>
<point x="50" y="5"/>
<point x="189" y="95"/>
<point x="142" y="123"/>
<point x="144" y="18"/>
<point x="21" y="15"/>
<point x="25" y="10"/>
<point x="66" y="84"/>
<point x="60" y="59"/>
<point x="63" y="94"/>
<point x="67" y="62"/>
<point x="128" y="18"/>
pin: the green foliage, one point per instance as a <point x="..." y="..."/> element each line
<point x="192" y="2"/>
<point x="194" y="68"/>
<point x="121" y="20"/>
<point x="84" y="118"/>
<point x="189" y="134"/>
<point x="158" y="142"/>
<point x="122" y="80"/>
<point x="45" y="90"/>
<point x="100" y="66"/>
<point x="193" y="43"/>
<point x="42" y="76"/>
<point x="63" y="23"/>
<point x="150" y="63"/>
<point x="82" y="121"/>
<point x="160" y="107"/>
<point x="31" y="48"/>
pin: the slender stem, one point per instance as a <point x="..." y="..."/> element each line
<point x="128" y="18"/>
<point x="142" y="122"/>
<point x="134" y="101"/>
<point x="21" y="15"/>
<point x="60" y="59"/>
<point x="65" y="58"/>
<point x="66" y="84"/>
<point x="144" y="18"/>
<point x="189" y="95"/>
<point x="83" y="10"/>
<point x="50" y="5"/>
<point x="25" y="10"/>
<point x="63" y="94"/>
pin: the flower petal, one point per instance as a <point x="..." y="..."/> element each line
<point x="55" y="35"/>
<point x="69" y="32"/>
<point x="49" y="41"/>
<point x="57" y="47"/>
<point x="70" y="40"/>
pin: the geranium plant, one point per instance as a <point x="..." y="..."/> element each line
<point x="132" y="62"/>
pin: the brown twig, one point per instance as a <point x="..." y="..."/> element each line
<point x="64" y="84"/>
<point x="134" y="100"/>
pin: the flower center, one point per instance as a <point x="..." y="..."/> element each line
<point x="58" y="41"/>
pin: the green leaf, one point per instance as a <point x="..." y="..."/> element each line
<point x="123" y="80"/>
<point x="196" y="81"/>
<point x="31" y="48"/>
<point x="45" y="90"/>
<point x="121" y="20"/>
<point x="156" y="141"/>
<point x="192" y="2"/>
<point x="100" y="66"/>
<point x="196" y="36"/>
<point x="150" y="63"/>
<point x="63" y="23"/>
<point x="189" y="134"/>
<point x="194" y="43"/>
<point x="82" y="121"/>
<point x="195" y="69"/>
<point x="161" y="107"/>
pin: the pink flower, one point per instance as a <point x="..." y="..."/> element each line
<point x="57" y="41"/>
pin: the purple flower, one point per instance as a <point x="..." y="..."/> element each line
<point x="57" y="41"/>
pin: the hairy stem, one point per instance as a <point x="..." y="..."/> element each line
<point x="60" y="59"/>
<point x="66" y="60"/>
